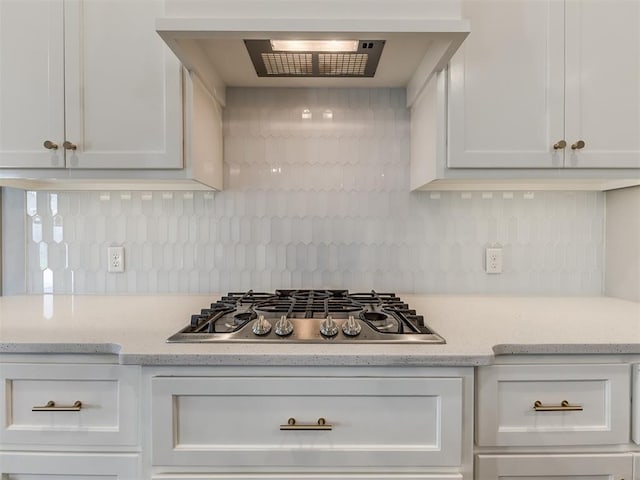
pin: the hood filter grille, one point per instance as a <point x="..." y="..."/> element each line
<point x="342" y="64"/>
<point x="286" y="64"/>
<point x="268" y="63"/>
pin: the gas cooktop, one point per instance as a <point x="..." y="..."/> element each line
<point x="307" y="316"/>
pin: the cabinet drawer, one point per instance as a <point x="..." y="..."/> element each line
<point x="506" y="394"/>
<point x="64" y="466"/>
<point x="374" y="421"/>
<point x="553" y="467"/>
<point x="309" y="476"/>
<point x="107" y="414"/>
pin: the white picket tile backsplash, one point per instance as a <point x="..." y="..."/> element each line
<point x="312" y="203"/>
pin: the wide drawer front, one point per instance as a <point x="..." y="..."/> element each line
<point x="368" y="422"/>
<point x="69" y="404"/>
<point x="552" y="405"/>
<point x="553" y="467"/>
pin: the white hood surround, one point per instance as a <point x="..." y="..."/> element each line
<point x="207" y="36"/>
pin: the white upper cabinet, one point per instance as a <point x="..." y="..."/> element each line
<point x="122" y="87"/>
<point x="602" y="85"/>
<point x="506" y="96"/>
<point x="94" y="80"/>
<point x="547" y="74"/>
<point x="31" y="83"/>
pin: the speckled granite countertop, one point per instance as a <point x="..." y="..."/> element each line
<point x="476" y="329"/>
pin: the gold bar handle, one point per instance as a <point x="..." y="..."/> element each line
<point x="563" y="407"/>
<point x="51" y="407"/>
<point x="292" y="425"/>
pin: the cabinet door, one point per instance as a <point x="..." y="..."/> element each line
<point x="554" y="467"/>
<point x="603" y="83"/>
<point x="506" y="86"/>
<point x="122" y="87"/>
<point x="31" y="83"/>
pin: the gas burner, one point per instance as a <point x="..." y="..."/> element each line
<point x="380" y="321"/>
<point x="308" y="316"/>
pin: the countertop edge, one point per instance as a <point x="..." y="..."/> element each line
<point x="310" y="359"/>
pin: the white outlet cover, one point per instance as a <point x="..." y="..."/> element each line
<point x="115" y="259"/>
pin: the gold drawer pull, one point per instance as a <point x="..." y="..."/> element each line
<point x="321" y="425"/>
<point x="559" y="145"/>
<point x="51" y="407"/>
<point x="563" y="407"/>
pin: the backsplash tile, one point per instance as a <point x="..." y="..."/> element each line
<point x="197" y="242"/>
<point x="312" y="203"/>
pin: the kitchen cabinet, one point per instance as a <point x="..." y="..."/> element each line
<point x="59" y="466"/>
<point x="69" y="79"/>
<point x="527" y="102"/>
<point x="351" y="421"/>
<point x="522" y="405"/>
<point x="64" y="419"/>
<point x="552" y="467"/>
<point x="563" y="406"/>
<point x="535" y="79"/>
<point x="90" y="93"/>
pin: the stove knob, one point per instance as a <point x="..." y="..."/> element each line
<point x="284" y="326"/>
<point x="351" y="327"/>
<point x="328" y="327"/>
<point x="261" y="326"/>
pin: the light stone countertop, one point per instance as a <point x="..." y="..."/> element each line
<point x="476" y="328"/>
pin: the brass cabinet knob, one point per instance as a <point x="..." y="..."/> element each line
<point x="49" y="145"/>
<point x="559" y="145"/>
<point x="578" y="145"/>
<point x="69" y="146"/>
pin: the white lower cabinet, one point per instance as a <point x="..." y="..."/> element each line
<point x="407" y="424"/>
<point x="527" y="414"/>
<point x="307" y="476"/>
<point x="554" y="467"/>
<point x="60" y="421"/>
<point x="538" y="405"/>
<point x="63" y="466"/>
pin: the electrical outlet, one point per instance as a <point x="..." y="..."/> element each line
<point x="493" y="260"/>
<point x="115" y="259"/>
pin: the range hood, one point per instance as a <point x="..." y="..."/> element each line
<point x="412" y="42"/>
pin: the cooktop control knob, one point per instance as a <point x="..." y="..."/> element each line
<point x="261" y="326"/>
<point x="351" y="327"/>
<point x="328" y="327"/>
<point x="284" y="326"/>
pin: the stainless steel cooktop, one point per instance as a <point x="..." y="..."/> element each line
<point x="307" y="316"/>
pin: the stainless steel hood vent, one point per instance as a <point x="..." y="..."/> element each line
<point x="360" y="63"/>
